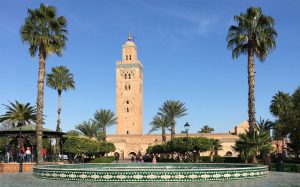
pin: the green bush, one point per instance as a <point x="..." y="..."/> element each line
<point x="205" y="159"/>
<point x="166" y="160"/>
<point x="82" y="147"/>
<point x="107" y="159"/>
<point x="233" y="160"/>
<point x="218" y="159"/>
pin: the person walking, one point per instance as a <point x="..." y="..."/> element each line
<point x="154" y="159"/>
<point x="44" y="152"/>
<point x="28" y="155"/>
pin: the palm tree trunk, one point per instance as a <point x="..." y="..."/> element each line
<point x="251" y="96"/>
<point x="58" y="129"/>
<point x="172" y="129"/>
<point x="40" y="107"/>
<point x="254" y="160"/>
<point x="211" y="155"/>
<point x="163" y="134"/>
<point x="104" y="134"/>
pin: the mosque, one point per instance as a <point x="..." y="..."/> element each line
<point x="129" y="138"/>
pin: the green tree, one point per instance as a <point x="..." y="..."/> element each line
<point x="172" y="110"/>
<point x="18" y="114"/>
<point x="206" y="129"/>
<point x="264" y="125"/>
<point x="73" y="133"/>
<point x="45" y="32"/>
<point x="88" y="128"/>
<point x="160" y="121"/>
<point x="254" y="35"/>
<point x="79" y="147"/>
<point x="251" y="143"/>
<point x="103" y="119"/>
<point x="60" y="79"/>
<point x="282" y="108"/>
<point x="286" y="109"/>
<point x="215" y="146"/>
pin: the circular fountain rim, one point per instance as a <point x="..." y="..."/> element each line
<point x="140" y="166"/>
<point x="233" y="171"/>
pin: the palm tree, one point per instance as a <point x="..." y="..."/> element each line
<point x="160" y="121"/>
<point x="206" y="129"/>
<point x="88" y="128"/>
<point x="60" y="79"/>
<point x="282" y="108"/>
<point x="103" y="119"/>
<point x="45" y="33"/>
<point x="254" y="35"/>
<point x="18" y="114"/>
<point x="73" y="133"/>
<point x="173" y="109"/>
<point x="265" y="125"/>
<point x="214" y="148"/>
<point x="251" y="143"/>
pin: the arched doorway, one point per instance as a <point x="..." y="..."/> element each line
<point x="132" y="153"/>
<point x="228" y="154"/>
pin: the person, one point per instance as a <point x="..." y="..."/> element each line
<point x="28" y="155"/>
<point x="44" y="152"/>
<point x="132" y="159"/>
<point x="23" y="150"/>
<point x="117" y="157"/>
<point x="20" y="159"/>
<point x="154" y="159"/>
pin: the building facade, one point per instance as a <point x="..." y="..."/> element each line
<point x="129" y="138"/>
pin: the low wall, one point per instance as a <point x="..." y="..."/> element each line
<point x="14" y="167"/>
<point x="27" y="167"/>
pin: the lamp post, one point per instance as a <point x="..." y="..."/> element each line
<point x="20" y="153"/>
<point x="187" y="127"/>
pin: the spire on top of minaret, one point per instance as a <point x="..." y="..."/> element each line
<point x="129" y="37"/>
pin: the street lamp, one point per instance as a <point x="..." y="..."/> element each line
<point x="20" y="152"/>
<point x="187" y="127"/>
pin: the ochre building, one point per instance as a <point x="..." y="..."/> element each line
<point x="129" y="138"/>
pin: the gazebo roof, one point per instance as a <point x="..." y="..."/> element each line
<point x="29" y="130"/>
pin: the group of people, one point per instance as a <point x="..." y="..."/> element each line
<point x="140" y="159"/>
<point x="21" y="154"/>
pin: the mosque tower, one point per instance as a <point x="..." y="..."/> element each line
<point x="129" y="91"/>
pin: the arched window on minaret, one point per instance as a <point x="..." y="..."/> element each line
<point x="125" y="76"/>
<point x="127" y="109"/>
<point x="129" y="57"/>
<point x="129" y="76"/>
<point x="125" y="87"/>
<point x="126" y="57"/>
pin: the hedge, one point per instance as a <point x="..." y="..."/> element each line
<point x="107" y="159"/>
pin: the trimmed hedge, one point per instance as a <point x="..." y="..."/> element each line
<point x="108" y="159"/>
<point x="288" y="168"/>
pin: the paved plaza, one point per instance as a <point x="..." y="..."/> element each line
<point x="273" y="179"/>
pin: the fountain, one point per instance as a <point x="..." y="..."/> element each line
<point x="148" y="172"/>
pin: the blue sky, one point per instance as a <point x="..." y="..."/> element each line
<point x="181" y="44"/>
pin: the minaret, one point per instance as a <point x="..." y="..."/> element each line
<point x="129" y="91"/>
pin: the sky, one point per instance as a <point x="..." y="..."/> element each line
<point x="181" y="44"/>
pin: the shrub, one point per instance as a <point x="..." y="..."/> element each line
<point x="107" y="159"/>
<point x="218" y="159"/>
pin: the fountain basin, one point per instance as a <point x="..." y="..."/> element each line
<point x="148" y="172"/>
